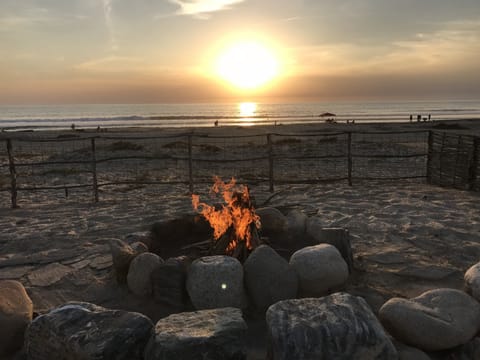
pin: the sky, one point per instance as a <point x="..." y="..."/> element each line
<point x="167" y="51"/>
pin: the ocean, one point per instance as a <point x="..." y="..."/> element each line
<point x="50" y="117"/>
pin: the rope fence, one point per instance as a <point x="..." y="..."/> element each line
<point x="80" y="164"/>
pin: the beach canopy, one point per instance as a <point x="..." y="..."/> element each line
<point x="325" y="114"/>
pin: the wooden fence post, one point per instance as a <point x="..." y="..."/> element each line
<point x="13" y="174"/>
<point x="474" y="164"/>
<point x="94" y="170"/>
<point x="429" y="157"/>
<point x="190" y="164"/>
<point x="349" y="157"/>
<point x="270" y="162"/>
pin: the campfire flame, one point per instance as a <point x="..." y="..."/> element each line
<point x="236" y="213"/>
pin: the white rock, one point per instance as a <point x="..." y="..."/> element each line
<point x="138" y="278"/>
<point x="436" y="320"/>
<point x="216" y="282"/>
<point x="320" y="269"/>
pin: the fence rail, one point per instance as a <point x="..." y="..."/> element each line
<point x="99" y="162"/>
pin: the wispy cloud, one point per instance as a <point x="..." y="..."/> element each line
<point x="112" y="64"/>
<point x="32" y="16"/>
<point x="203" y="8"/>
<point x="107" y="11"/>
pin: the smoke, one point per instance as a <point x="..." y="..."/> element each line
<point x="107" y="12"/>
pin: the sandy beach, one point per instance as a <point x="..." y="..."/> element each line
<point x="407" y="236"/>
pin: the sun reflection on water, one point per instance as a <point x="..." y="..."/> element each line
<point x="247" y="109"/>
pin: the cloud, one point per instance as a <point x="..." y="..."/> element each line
<point x="107" y="11"/>
<point x="203" y="7"/>
<point x="112" y="64"/>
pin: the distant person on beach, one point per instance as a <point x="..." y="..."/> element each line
<point x="429" y="117"/>
<point x="73" y="127"/>
<point x="216" y="123"/>
<point x="411" y="117"/>
<point x="419" y="118"/>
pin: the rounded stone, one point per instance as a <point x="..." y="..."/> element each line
<point x="436" y="320"/>
<point x="139" y="274"/>
<point x="216" y="282"/>
<point x="16" y="311"/>
<point x="472" y="281"/>
<point x="297" y="222"/>
<point x="320" y="270"/>
<point x="337" y="326"/>
<point x="269" y="278"/>
<point x="272" y="220"/>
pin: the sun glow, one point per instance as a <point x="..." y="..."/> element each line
<point x="247" y="109"/>
<point x="247" y="65"/>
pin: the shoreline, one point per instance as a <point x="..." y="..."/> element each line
<point x="472" y="126"/>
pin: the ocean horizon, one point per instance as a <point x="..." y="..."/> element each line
<point x="87" y="116"/>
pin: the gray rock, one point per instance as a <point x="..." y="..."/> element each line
<point x="272" y="220"/>
<point x="406" y="352"/>
<point x="468" y="351"/>
<point x="320" y="269"/>
<point x="216" y="334"/>
<point x="215" y="282"/>
<point x="338" y="237"/>
<point x="168" y="282"/>
<point x="122" y="256"/>
<point x="80" y="331"/>
<point x="338" y="326"/>
<point x="297" y="222"/>
<point x="16" y="312"/>
<point x="472" y="281"/>
<point x="313" y="226"/>
<point x="436" y="320"/>
<point x="139" y="273"/>
<point x="269" y="278"/>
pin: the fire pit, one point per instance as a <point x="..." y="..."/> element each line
<point x="233" y="220"/>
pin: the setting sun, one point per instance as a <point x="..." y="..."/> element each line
<point x="247" y="65"/>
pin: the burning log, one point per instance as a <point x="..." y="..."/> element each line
<point x="235" y="223"/>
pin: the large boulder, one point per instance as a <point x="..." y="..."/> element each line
<point x="472" y="281"/>
<point x="436" y="320"/>
<point x="338" y="237"/>
<point x="338" y="326"/>
<point x="320" y="269"/>
<point x="217" y="334"/>
<point x="297" y="222"/>
<point x="139" y="273"/>
<point x="79" y="331"/>
<point x="269" y="278"/>
<point x="168" y="283"/>
<point x="272" y="220"/>
<point x="16" y="312"/>
<point x="215" y="282"/>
